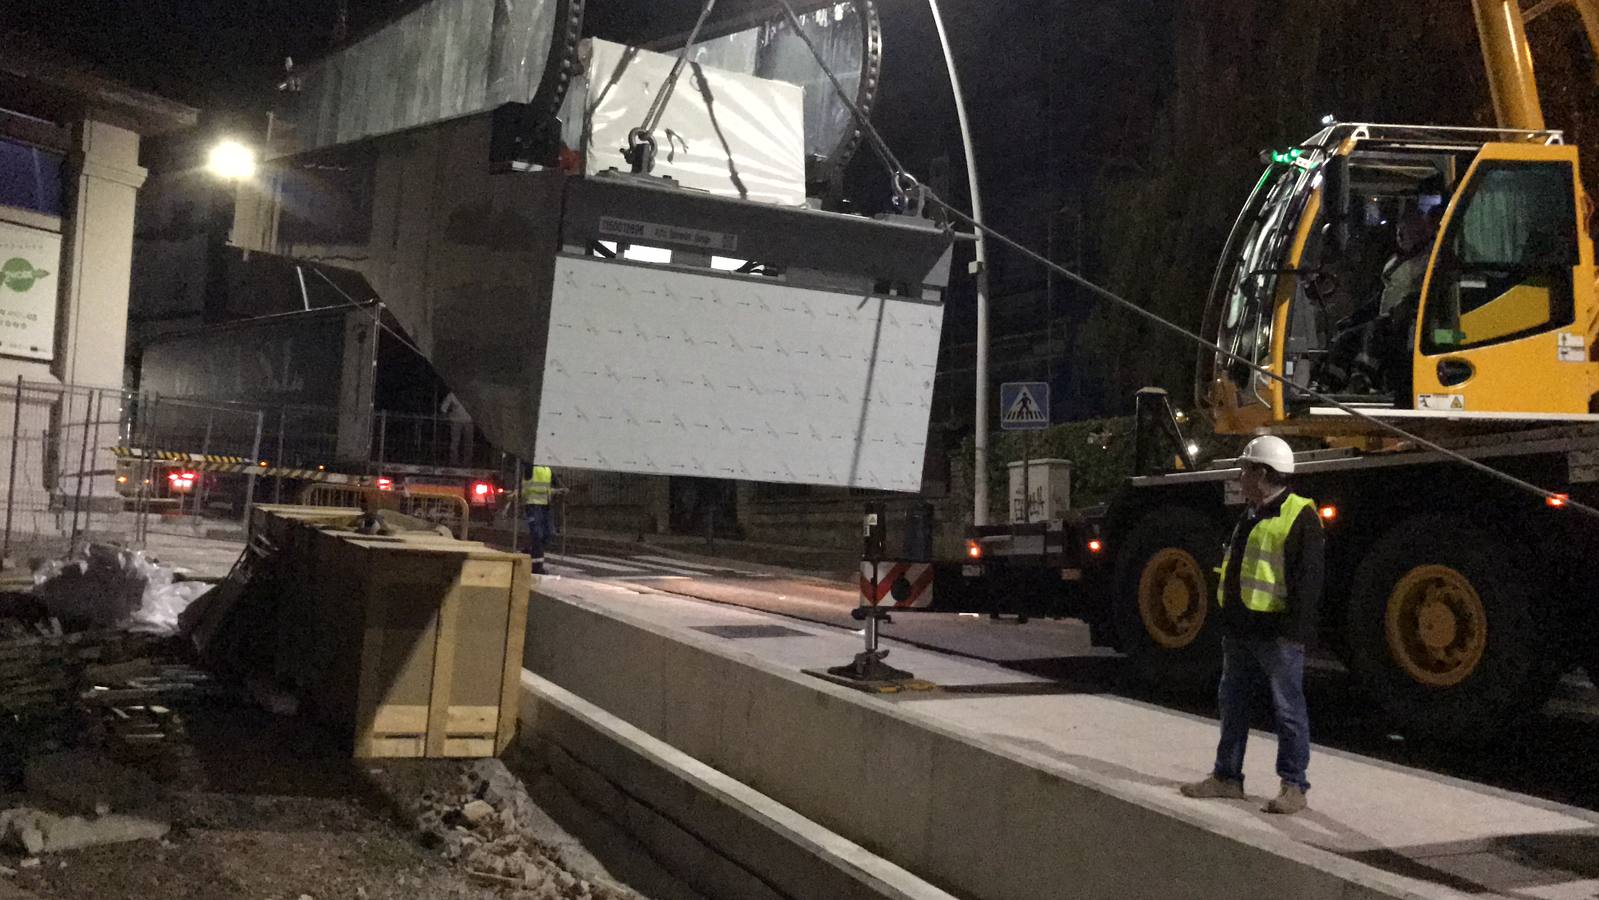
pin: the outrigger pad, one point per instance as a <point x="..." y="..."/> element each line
<point x="870" y="674"/>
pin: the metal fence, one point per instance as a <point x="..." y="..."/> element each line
<point x="310" y="436"/>
<point x="60" y="474"/>
<point x="66" y="482"/>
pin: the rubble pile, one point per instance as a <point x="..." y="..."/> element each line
<point x="486" y="826"/>
<point x="41" y="667"/>
<point x="100" y="802"/>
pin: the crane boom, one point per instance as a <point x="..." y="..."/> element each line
<point x="1502" y="28"/>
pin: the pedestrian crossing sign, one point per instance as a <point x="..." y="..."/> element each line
<point x="1024" y="406"/>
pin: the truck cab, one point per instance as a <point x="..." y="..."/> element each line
<point x="1488" y="314"/>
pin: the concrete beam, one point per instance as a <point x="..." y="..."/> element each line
<point x="975" y="818"/>
<point x="720" y="837"/>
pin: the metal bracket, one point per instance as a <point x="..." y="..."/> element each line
<point x="868" y="665"/>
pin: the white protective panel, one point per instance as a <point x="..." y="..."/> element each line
<point x="748" y="141"/>
<point x="671" y="373"/>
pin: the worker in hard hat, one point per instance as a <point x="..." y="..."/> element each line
<point x="537" y="488"/>
<point x="1271" y="583"/>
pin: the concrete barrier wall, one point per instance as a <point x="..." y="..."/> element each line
<point x="975" y="820"/>
<point x="724" y="840"/>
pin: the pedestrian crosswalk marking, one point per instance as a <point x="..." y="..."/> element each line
<point x="697" y="567"/>
<point x="581" y="565"/>
<point x="590" y="562"/>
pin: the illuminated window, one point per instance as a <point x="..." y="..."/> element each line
<point x="1504" y="268"/>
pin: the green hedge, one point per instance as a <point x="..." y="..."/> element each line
<point x="1100" y="450"/>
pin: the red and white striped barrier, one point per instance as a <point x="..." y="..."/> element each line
<point x="900" y="585"/>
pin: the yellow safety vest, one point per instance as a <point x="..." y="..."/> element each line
<point x="1261" y="580"/>
<point x="536" y="488"/>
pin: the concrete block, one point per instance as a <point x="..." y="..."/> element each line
<point x="721" y="837"/>
<point x="973" y="815"/>
<point x="592" y="789"/>
<point x="89" y="782"/>
<point x="35" y="832"/>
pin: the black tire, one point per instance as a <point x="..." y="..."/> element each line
<point x="1196" y="663"/>
<point x="1516" y="664"/>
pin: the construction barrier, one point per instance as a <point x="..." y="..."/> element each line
<point x="228" y="465"/>
<point x="901" y="585"/>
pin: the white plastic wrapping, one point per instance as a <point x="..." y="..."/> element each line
<point x="738" y="135"/>
<point x="772" y="50"/>
<point x="106" y="586"/>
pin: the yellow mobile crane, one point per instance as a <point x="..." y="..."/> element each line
<point x="1455" y="594"/>
<point x="1497" y="322"/>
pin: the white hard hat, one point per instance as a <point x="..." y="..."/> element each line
<point x="1271" y="452"/>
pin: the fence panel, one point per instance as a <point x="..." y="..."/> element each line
<point x="55" y="451"/>
<point x="65" y="483"/>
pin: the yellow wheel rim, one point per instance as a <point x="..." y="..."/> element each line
<point x="1172" y="598"/>
<point x="1437" y="626"/>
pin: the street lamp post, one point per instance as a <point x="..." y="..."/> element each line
<point x="980" y="270"/>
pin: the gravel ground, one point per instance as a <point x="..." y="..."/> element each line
<point x="270" y="807"/>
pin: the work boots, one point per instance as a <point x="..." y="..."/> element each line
<point x="1214" y="788"/>
<point x="1290" y="801"/>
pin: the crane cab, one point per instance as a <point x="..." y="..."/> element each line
<point x="1444" y="275"/>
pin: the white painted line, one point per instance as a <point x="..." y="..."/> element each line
<point x="637" y="562"/>
<point x="584" y="562"/>
<point x="698" y="567"/>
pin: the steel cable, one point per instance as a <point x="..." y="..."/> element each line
<point x="898" y="173"/>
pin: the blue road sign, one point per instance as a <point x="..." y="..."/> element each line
<point x="1024" y="406"/>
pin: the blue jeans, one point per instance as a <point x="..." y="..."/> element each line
<point x="1248" y="666"/>
<point x="539" y="532"/>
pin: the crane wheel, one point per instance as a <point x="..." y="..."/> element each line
<point x="1164" y="609"/>
<point x="1442" y="634"/>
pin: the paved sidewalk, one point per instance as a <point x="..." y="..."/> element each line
<point x="1437" y="831"/>
<point x="194" y="557"/>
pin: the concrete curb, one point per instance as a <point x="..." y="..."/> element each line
<point x="976" y="818"/>
<point x="721" y="837"/>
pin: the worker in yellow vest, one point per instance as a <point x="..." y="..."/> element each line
<point x="537" y="488"/>
<point x="1271" y="582"/>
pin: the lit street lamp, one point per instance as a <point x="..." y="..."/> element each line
<point x="231" y="160"/>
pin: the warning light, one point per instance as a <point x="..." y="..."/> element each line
<point x="181" y="481"/>
<point x="122" y="479"/>
<point x="974" y="550"/>
<point x="1096" y="545"/>
<point x="385" y="483"/>
<point x="1328" y="513"/>
<point x="262" y="463"/>
<point x="480" y="489"/>
<point x="1556" y="501"/>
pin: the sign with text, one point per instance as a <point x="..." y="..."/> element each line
<point x="29" y="261"/>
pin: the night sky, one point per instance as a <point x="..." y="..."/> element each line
<point x="1118" y="136"/>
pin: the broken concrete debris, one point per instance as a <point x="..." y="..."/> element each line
<point x="477" y="812"/>
<point x="35" y="831"/>
<point x="486" y="827"/>
<point x="89" y="782"/>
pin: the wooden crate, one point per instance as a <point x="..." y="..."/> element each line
<point x="274" y="521"/>
<point x="413" y="646"/>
